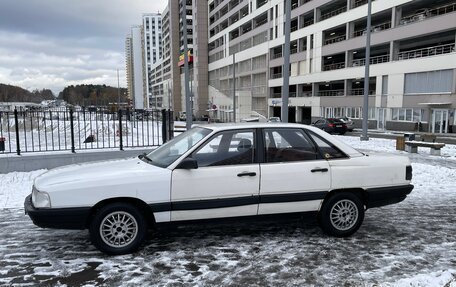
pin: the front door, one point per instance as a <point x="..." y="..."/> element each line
<point x="226" y="182"/>
<point x="439" y="121"/>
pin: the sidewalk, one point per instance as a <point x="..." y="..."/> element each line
<point x="441" y="138"/>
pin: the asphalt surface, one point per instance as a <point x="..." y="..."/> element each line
<point x="397" y="242"/>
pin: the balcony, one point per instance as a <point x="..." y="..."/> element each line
<point x="335" y="40"/>
<point x="376" y="28"/>
<point x="425" y="13"/>
<point x="334" y="66"/>
<point x="426" y="52"/>
<point x="331" y="93"/>
<point x="360" y="92"/>
<point x="372" y="61"/>
<point x="333" y="13"/>
<point x="276" y="76"/>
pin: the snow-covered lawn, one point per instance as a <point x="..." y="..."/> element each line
<point x="408" y="244"/>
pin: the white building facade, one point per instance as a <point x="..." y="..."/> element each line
<point x="153" y="50"/>
<point x="412" y="80"/>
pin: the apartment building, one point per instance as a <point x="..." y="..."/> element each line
<point x="135" y="68"/>
<point x="153" y="50"/>
<point x="167" y="74"/>
<point x="412" y="84"/>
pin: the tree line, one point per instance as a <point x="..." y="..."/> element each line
<point x="81" y="95"/>
<point x="92" y="95"/>
<point x="9" y="93"/>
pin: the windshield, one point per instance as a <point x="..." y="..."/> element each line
<point x="172" y="150"/>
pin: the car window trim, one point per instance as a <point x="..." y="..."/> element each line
<point x="261" y="135"/>
<point x="255" y="145"/>
<point x="309" y="134"/>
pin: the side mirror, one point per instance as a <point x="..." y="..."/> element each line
<point x="188" y="163"/>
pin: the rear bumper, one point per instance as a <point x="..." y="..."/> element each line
<point x="63" y="218"/>
<point x="377" y="197"/>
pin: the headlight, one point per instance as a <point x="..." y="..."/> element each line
<point x="40" y="199"/>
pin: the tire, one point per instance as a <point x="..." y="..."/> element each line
<point x="341" y="214"/>
<point x="118" y="228"/>
<point x="342" y="133"/>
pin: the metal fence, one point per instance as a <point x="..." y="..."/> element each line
<point x="58" y="130"/>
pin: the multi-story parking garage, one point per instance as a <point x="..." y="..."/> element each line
<point x="413" y="61"/>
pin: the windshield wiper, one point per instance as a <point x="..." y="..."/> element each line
<point x="144" y="156"/>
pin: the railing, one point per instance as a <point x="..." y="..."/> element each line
<point x="293" y="51"/>
<point x="372" y="61"/>
<point x="335" y="40"/>
<point x="276" y="76"/>
<point x="428" y="13"/>
<point x="334" y="66"/>
<point x="376" y="28"/>
<point x="333" y="13"/>
<point x="360" y="92"/>
<point x="302" y="2"/>
<point x="308" y="23"/>
<point x="261" y="22"/>
<point x="60" y="130"/>
<point x="277" y="55"/>
<point x="331" y="93"/>
<point x="294" y="28"/>
<point x="276" y="95"/>
<point x="426" y="52"/>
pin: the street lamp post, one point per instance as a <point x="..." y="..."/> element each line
<point x="364" y="136"/>
<point x="286" y="62"/>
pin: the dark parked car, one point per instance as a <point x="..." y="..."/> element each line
<point x="332" y="126"/>
<point x="350" y="124"/>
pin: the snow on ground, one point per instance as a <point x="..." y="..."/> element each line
<point x="15" y="186"/>
<point x="408" y="244"/>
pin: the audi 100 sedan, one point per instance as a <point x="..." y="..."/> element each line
<point x="217" y="172"/>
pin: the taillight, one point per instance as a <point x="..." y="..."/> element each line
<point x="408" y="172"/>
<point x="332" y="125"/>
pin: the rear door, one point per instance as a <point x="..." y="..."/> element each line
<point x="294" y="175"/>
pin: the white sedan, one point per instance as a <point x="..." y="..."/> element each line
<point x="220" y="172"/>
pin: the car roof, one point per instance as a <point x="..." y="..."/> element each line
<point x="250" y="125"/>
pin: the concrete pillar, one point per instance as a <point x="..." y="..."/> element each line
<point x="317" y="15"/>
<point x="347" y="87"/>
<point x="394" y="50"/>
<point x="315" y="89"/>
<point x="348" y="58"/>
<point x="298" y="114"/>
<point x="350" y="30"/>
<point x="396" y="16"/>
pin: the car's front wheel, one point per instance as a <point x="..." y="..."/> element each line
<point x="341" y="214"/>
<point x="118" y="228"/>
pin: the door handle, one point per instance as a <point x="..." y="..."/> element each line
<point x="246" y="173"/>
<point x="319" y="170"/>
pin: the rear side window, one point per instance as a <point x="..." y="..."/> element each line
<point x="327" y="149"/>
<point x="285" y="145"/>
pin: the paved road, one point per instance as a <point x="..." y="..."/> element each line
<point x="394" y="242"/>
<point x="417" y="236"/>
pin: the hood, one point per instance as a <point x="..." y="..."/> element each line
<point x="79" y="176"/>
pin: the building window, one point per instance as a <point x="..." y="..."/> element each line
<point x="433" y="82"/>
<point x="385" y="85"/>
<point x="407" y="115"/>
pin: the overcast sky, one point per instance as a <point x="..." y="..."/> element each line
<point x="56" y="43"/>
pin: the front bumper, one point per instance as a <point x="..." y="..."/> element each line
<point x="63" y="218"/>
<point x="377" y="197"/>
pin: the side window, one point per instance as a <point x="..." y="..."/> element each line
<point x="227" y="148"/>
<point x="285" y="145"/>
<point x="327" y="149"/>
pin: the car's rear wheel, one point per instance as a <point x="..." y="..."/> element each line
<point x="118" y="228"/>
<point x="341" y="214"/>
